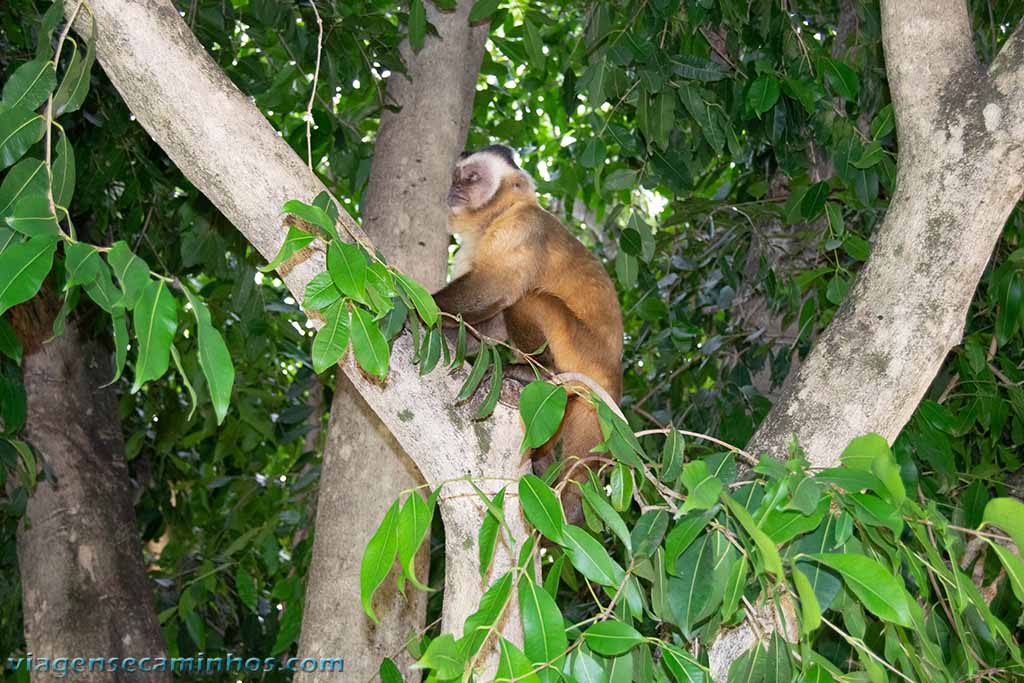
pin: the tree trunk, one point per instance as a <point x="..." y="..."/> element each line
<point x="960" y="173"/>
<point x="225" y="147"/>
<point x="405" y="215"/>
<point x="85" y="590"/>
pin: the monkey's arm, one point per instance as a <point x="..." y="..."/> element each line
<point x="479" y="296"/>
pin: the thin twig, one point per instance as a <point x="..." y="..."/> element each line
<point x="316" y="79"/>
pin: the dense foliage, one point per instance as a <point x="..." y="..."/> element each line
<point x="729" y="162"/>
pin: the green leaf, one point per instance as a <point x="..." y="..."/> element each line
<point x="389" y="672"/>
<point x="214" y="358"/>
<point x="368" y="344"/>
<point x="294" y="241"/>
<point x="541" y="507"/>
<point x="872" y="155"/>
<point x="479" y="624"/>
<point x="702" y="487"/>
<point x="483" y="9"/>
<point x="130" y="270"/>
<point x="413" y="527"/>
<point x="883" y="123"/>
<point x="347" y="265"/>
<point x="377" y="560"/>
<point x="513" y="665"/>
<point x="417" y="25"/>
<point x="1014" y="569"/>
<point x="119" y="319"/>
<point x="246" y="587"/>
<point x="320" y="292"/>
<point x="534" y="45"/>
<point x="648" y="533"/>
<point x="443" y="658"/>
<point x="312" y="214"/>
<point x="1005" y="513"/>
<point x="476" y="373"/>
<point x="734" y="588"/>
<point x="593" y="153"/>
<point x="765" y="546"/>
<point x="810" y="612"/>
<point x="620" y="179"/>
<point x="622" y="487"/>
<point x="487" y="406"/>
<point x="28" y="177"/>
<point x="813" y="201"/>
<point x="49" y="22"/>
<point x="20" y="128"/>
<point x="607" y="514"/>
<point x="863" y="451"/>
<point x="32" y="217"/>
<point x="681" y="536"/>
<point x="842" y="78"/>
<point x="488" y="537"/>
<point x="703" y="571"/>
<point x="75" y="85"/>
<point x="331" y="340"/>
<point x="104" y="292"/>
<point x="672" y="456"/>
<point x="611" y="638"/>
<point x="697" y="68"/>
<point x="155" y="319"/>
<point x="193" y="402"/>
<point x="23" y="267"/>
<point x="81" y="264"/>
<point x="30" y="84"/>
<point x="542" y="406"/>
<point x="63" y="173"/>
<point x="590" y="558"/>
<point x="684" y="668"/>
<point x="763" y="94"/>
<point x="543" y="629"/>
<point x="10" y="345"/>
<point x="876" y="588"/>
<point x="421" y="299"/>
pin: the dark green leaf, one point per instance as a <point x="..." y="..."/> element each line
<point x="542" y="406"/>
<point x="368" y="344"/>
<point x="877" y="589"/>
<point x="155" y="319"/>
<point x="295" y="240"/>
<point x="541" y="507"/>
<point x="30" y="84"/>
<point x="377" y="559"/>
<point x="20" y="128"/>
<point x="23" y="266"/>
<point x="611" y="638"/>
<point x="543" y="629"/>
<point x="488" y="537"/>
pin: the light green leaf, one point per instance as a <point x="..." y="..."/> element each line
<point x="810" y="612"/>
<point x="295" y="240"/>
<point x="702" y="487"/>
<point x="193" y="402"/>
<point x="513" y="665"/>
<point x="488" y="536"/>
<point x="377" y="560"/>
<point x="320" y="292"/>
<point x="23" y="267"/>
<point x="246" y="587"/>
<point x="331" y="340"/>
<point x="1005" y="513"/>
<point x="417" y="25"/>
<point x="607" y="514"/>
<point x="347" y="265"/>
<point x="442" y="658"/>
<point x="877" y="589"/>
<point x="312" y="214"/>
<point x="81" y="264"/>
<point x="479" y="624"/>
<point x="214" y="358"/>
<point x="763" y="94"/>
<point x="155" y="319"/>
<point x="368" y="344"/>
<point x="421" y="299"/>
<point x="766" y="547"/>
<point x="413" y="527"/>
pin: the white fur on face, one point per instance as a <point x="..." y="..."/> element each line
<point x="491" y="169"/>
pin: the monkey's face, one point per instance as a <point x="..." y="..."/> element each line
<point x="474" y="182"/>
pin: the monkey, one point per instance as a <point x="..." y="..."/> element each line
<point x="519" y="265"/>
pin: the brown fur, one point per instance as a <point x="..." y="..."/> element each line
<point x="526" y="266"/>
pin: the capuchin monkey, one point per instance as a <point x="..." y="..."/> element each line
<point x="518" y="262"/>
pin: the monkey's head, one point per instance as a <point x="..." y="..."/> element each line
<point x="479" y="175"/>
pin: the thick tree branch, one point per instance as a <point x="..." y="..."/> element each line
<point x="222" y="143"/>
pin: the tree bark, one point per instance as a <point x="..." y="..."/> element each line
<point x="225" y="147"/>
<point x="404" y="213"/>
<point x="960" y="172"/>
<point x="85" y="590"/>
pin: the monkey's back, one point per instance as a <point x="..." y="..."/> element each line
<point x="573" y="306"/>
